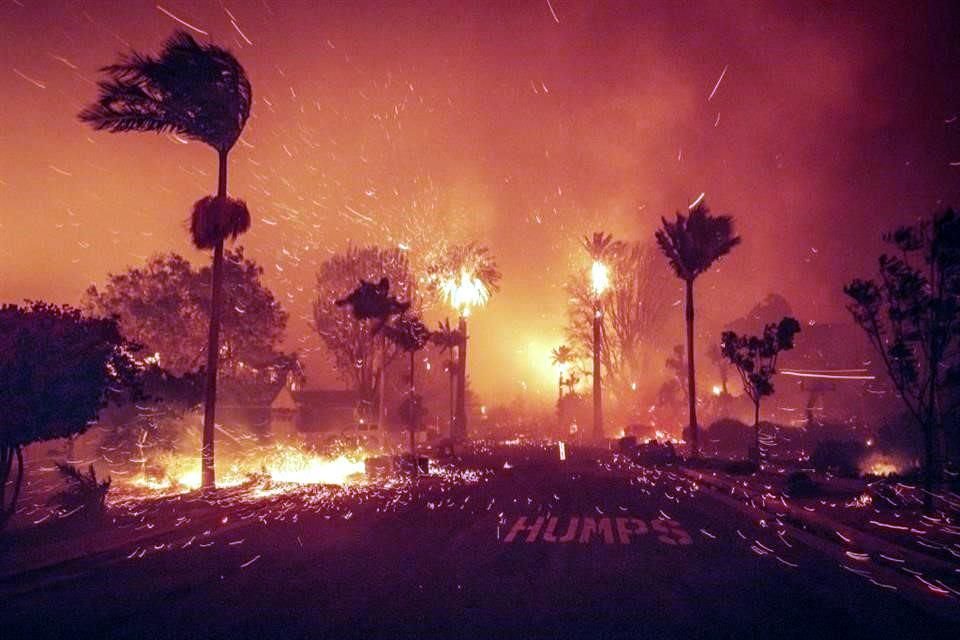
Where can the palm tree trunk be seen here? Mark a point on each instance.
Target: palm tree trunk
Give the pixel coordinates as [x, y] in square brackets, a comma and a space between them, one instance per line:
[412, 414]
[460, 419]
[691, 376]
[597, 384]
[208, 480]
[382, 397]
[560, 405]
[452, 384]
[756, 432]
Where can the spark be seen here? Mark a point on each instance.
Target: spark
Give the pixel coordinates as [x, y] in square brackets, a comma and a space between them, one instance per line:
[719, 80]
[553, 13]
[242, 34]
[826, 376]
[32, 81]
[697, 201]
[63, 60]
[182, 21]
[250, 561]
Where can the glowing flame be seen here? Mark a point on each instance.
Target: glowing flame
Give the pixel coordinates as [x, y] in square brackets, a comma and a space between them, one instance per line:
[716, 390]
[300, 468]
[464, 293]
[283, 464]
[599, 278]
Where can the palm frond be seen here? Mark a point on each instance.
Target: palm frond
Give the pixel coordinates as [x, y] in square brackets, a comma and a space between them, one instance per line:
[692, 244]
[600, 245]
[198, 91]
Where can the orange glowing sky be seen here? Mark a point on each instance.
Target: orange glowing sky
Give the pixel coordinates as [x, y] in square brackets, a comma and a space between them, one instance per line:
[524, 125]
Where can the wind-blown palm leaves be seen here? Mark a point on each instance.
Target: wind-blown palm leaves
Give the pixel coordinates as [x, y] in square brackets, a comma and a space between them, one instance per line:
[371, 301]
[408, 333]
[692, 244]
[445, 337]
[201, 92]
[197, 91]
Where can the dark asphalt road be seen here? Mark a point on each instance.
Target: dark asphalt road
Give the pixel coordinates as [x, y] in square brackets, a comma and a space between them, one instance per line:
[445, 570]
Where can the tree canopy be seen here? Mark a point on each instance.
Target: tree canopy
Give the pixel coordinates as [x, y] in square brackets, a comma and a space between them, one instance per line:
[693, 243]
[636, 309]
[165, 306]
[59, 369]
[354, 346]
[912, 318]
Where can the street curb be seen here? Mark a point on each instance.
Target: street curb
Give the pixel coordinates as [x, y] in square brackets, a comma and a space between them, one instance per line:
[830, 529]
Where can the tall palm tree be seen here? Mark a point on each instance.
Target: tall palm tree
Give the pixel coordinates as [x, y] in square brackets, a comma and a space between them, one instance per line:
[448, 338]
[201, 92]
[599, 246]
[410, 335]
[692, 244]
[561, 357]
[465, 275]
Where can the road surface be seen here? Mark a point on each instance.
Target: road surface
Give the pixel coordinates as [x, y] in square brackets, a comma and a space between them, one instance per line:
[542, 549]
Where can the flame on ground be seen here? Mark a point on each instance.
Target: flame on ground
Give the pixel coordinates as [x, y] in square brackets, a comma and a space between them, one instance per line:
[280, 464]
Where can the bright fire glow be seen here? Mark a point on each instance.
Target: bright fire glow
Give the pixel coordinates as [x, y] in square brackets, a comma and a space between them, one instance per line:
[283, 464]
[716, 389]
[599, 278]
[880, 465]
[464, 293]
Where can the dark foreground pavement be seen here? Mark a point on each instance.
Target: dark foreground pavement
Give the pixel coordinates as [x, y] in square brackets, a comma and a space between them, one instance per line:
[632, 554]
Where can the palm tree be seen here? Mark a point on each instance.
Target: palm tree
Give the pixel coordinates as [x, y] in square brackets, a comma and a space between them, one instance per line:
[410, 335]
[448, 338]
[465, 275]
[200, 92]
[599, 246]
[561, 357]
[692, 244]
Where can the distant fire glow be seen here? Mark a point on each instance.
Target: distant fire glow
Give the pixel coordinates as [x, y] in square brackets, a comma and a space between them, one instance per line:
[881, 465]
